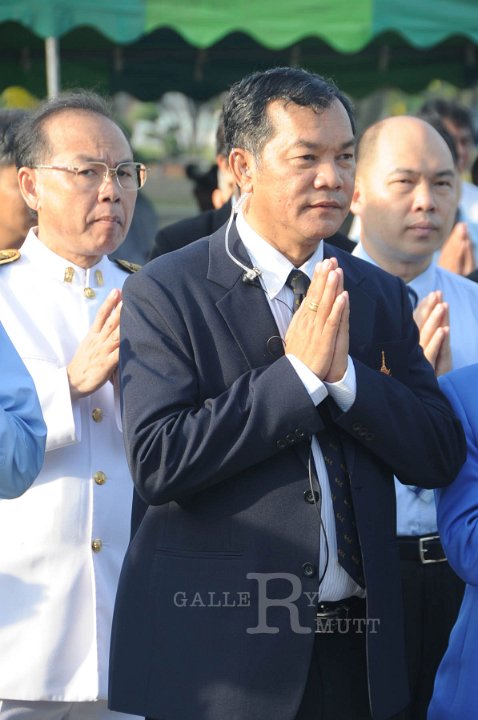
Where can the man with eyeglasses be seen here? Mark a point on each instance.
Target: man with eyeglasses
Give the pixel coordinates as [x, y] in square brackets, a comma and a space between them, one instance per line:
[60, 300]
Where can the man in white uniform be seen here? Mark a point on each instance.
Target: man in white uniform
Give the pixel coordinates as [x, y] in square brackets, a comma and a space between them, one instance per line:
[63, 542]
[405, 196]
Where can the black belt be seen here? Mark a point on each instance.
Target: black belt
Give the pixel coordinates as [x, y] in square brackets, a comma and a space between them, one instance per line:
[330, 613]
[426, 549]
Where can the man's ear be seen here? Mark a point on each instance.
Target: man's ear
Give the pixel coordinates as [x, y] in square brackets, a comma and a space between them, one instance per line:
[27, 182]
[357, 198]
[242, 165]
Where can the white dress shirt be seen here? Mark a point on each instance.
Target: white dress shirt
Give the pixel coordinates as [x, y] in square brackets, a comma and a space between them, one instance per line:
[416, 513]
[275, 268]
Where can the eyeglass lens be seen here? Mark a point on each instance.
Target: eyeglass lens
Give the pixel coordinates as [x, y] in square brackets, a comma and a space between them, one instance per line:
[130, 175]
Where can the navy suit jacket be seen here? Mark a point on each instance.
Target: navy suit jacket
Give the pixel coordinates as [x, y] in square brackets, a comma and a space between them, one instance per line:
[217, 428]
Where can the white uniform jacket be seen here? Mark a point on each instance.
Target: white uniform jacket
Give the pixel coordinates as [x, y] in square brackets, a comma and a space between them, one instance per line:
[62, 543]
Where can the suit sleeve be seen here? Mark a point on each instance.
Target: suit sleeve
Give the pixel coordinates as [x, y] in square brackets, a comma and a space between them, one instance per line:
[22, 430]
[457, 505]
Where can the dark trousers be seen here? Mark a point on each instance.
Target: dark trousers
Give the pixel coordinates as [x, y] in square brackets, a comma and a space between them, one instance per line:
[432, 597]
[337, 687]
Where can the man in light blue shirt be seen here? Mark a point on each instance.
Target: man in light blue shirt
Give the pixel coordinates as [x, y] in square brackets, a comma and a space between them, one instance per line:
[22, 430]
[406, 195]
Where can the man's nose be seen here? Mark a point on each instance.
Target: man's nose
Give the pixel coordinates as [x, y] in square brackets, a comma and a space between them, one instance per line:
[328, 175]
[424, 198]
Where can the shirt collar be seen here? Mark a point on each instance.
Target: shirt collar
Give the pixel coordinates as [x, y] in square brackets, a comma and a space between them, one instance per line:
[422, 284]
[359, 252]
[426, 282]
[274, 266]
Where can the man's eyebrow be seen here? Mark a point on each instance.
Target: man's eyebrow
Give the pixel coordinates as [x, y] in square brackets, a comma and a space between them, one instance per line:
[313, 146]
[445, 173]
[407, 171]
[89, 158]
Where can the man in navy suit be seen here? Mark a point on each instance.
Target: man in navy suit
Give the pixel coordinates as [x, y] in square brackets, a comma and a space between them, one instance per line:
[247, 592]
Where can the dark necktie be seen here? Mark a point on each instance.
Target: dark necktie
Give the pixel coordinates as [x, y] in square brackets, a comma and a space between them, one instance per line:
[413, 297]
[348, 546]
[299, 282]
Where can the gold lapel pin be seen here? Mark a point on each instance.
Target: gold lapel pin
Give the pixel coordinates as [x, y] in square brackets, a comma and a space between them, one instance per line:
[384, 369]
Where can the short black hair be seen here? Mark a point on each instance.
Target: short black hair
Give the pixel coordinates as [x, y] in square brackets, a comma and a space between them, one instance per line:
[220, 139]
[450, 110]
[10, 120]
[246, 121]
[31, 142]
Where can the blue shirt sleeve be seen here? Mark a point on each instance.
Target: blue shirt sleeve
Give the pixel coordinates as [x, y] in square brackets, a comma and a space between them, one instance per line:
[22, 428]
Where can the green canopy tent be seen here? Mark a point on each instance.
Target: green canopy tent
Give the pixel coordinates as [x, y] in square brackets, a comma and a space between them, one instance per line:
[199, 47]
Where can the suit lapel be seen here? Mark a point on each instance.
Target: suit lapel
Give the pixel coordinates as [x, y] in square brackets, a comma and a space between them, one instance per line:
[362, 305]
[244, 306]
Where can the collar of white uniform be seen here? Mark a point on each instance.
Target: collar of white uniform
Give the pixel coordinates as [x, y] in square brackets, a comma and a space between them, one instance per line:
[60, 269]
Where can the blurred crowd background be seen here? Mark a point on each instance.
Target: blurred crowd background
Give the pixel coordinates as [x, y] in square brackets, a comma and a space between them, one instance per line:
[166, 64]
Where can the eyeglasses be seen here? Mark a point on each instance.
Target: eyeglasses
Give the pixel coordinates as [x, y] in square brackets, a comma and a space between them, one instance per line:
[130, 175]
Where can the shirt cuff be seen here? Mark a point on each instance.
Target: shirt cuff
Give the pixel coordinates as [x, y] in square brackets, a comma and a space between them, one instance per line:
[345, 390]
[315, 387]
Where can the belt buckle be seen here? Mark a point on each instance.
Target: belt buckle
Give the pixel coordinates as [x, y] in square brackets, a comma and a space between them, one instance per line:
[422, 550]
[332, 616]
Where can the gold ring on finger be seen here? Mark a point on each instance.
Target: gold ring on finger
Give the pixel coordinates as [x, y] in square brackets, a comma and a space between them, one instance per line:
[313, 306]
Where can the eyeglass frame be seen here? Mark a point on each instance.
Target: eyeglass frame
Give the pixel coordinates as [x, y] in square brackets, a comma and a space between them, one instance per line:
[109, 171]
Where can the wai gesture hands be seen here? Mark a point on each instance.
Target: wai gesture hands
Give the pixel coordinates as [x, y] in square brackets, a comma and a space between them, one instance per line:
[318, 334]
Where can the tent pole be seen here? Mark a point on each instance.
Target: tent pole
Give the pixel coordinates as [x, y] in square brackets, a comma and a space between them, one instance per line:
[52, 56]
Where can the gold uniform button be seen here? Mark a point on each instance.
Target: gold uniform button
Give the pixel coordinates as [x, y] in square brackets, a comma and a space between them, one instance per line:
[89, 292]
[99, 477]
[97, 414]
[96, 545]
[69, 274]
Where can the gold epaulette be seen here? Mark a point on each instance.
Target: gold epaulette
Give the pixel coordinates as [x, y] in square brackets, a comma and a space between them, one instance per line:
[127, 265]
[8, 256]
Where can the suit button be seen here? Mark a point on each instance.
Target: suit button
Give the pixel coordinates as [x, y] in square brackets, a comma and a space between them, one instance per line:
[281, 444]
[99, 477]
[97, 414]
[300, 434]
[290, 438]
[311, 497]
[370, 436]
[89, 293]
[96, 545]
[356, 427]
[363, 432]
[309, 570]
